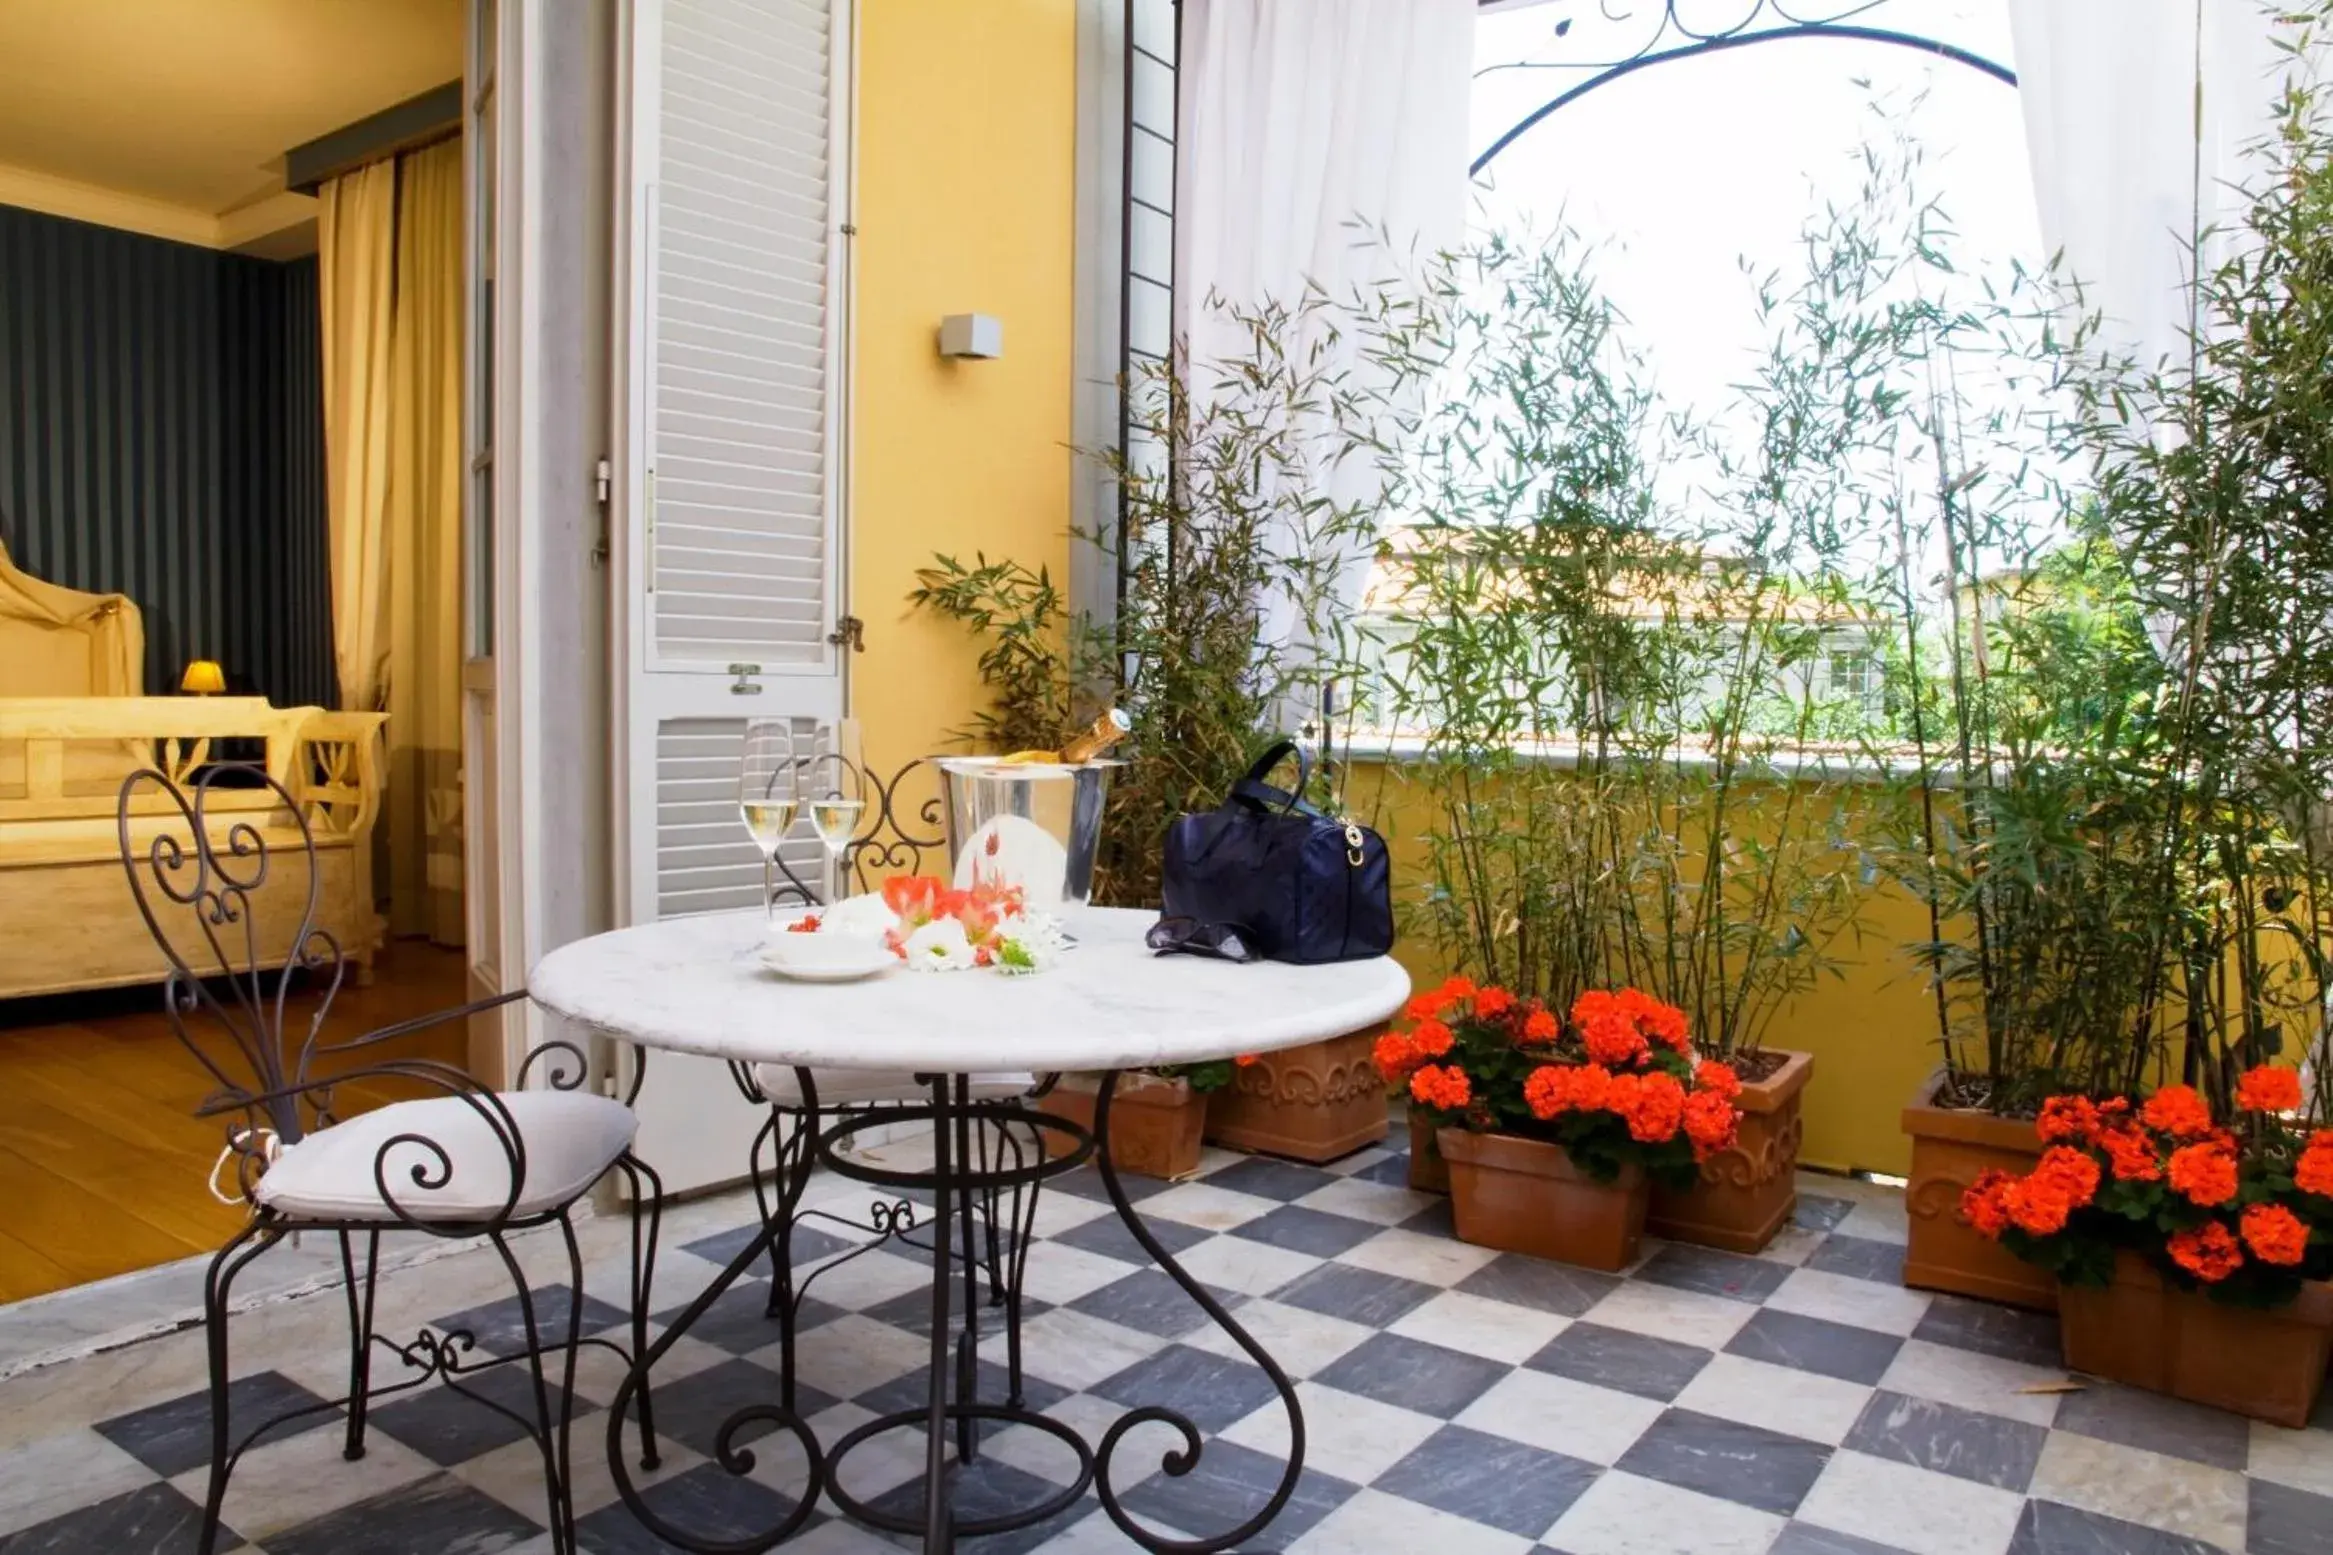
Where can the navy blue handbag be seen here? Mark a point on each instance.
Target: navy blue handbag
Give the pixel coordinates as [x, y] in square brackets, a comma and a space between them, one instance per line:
[1269, 876]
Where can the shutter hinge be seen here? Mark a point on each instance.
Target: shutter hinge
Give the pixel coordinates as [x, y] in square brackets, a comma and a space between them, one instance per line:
[603, 487]
[849, 632]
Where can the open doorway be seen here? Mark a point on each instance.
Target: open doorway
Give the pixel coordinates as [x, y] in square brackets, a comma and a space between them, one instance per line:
[235, 273]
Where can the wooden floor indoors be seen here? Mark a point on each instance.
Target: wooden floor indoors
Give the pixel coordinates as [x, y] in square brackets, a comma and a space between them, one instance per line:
[103, 1166]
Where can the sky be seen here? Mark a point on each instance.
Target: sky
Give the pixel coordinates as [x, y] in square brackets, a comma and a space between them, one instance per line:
[1679, 172]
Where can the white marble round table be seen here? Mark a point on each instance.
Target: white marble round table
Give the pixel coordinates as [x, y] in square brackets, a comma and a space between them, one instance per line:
[694, 985]
[691, 985]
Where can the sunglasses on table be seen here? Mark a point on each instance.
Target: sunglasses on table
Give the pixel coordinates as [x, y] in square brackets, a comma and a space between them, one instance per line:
[1190, 937]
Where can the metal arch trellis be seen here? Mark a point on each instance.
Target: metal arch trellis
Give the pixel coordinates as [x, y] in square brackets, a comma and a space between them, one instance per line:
[1675, 38]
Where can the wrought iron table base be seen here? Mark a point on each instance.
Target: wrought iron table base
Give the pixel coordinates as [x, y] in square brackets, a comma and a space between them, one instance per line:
[955, 1180]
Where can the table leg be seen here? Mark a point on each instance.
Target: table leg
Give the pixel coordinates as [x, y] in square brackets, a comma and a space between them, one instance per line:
[1183, 1460]
[938, 1536]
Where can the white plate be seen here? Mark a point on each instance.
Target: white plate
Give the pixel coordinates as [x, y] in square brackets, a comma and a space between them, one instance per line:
[877, 960]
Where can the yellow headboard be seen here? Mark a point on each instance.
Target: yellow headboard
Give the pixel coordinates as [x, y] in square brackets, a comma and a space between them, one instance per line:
[60, 642]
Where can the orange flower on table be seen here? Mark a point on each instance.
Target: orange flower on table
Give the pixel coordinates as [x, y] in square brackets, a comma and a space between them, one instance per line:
[2130, 1154]
[1658, 1110]
[2067, 1118]
[2275, 1234]
[1710, 1122]
[2314, 1170]
[1394, 1057]
[1985, 1205]
[2204, 1174]
[1441, 1085]
[2209, 1252]
[2178, 1111]
[1551, 1090]
[1491, 1003]
[1540, 1026]
[2268, 1088]
[1719, 1078]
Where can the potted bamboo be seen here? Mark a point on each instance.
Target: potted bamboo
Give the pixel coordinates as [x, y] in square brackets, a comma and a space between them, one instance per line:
[2191, 1253]
[1553, 1136]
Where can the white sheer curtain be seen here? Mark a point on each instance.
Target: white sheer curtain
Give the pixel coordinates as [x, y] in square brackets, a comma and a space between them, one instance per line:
[2137, 113]
[1300, 119]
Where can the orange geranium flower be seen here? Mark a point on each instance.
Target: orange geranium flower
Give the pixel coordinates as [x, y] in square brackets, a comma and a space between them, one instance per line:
[1551, 1090]
[1491, 1003]
[1455, 988]
[2071, 1172]
[1441, 1085]
[1394, 1057]
[2178, 1111]
[2131, 1154]
[2037, 1205]
[2066, 1118]
[1710, 1075]
[1710, 1122]
[2314, 1170]
[1662, 1023]
[1540, 1026]
[1658, 1110]
[1430, 1039]
[2267, 1088]
[1425, 1006]
[2205, 1173]
[1985, 1206]
[2275, 1234]
[2209, 1252]
[1607, 1029]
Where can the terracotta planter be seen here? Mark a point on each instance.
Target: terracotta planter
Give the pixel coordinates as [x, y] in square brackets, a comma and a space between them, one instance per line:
[1429, 1173]
[1950, 1146]
[1311, 1103]
[1155, 1123]
[1525, 1196]
[2149, 1333]
[1745, 1194]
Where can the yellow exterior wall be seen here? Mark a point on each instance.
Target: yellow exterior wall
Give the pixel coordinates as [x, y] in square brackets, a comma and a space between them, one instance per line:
[1872, 1031]
[966, 204]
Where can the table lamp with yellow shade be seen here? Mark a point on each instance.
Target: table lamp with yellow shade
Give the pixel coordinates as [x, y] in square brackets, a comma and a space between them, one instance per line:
[203, 678]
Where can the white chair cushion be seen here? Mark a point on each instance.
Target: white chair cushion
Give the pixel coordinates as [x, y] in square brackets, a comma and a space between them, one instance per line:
[570, 1138]
[861, 1087]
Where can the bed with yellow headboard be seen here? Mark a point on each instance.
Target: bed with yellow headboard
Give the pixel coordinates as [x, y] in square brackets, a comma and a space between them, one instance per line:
[74, 724]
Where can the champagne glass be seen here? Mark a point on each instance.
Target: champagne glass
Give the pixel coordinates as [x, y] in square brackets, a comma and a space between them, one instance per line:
[768, 794]
[835, 799]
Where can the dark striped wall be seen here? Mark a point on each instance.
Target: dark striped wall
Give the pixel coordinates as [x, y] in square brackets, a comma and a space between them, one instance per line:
[162, 435]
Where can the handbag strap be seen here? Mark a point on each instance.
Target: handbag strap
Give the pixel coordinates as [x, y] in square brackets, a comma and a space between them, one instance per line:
[1255, 791]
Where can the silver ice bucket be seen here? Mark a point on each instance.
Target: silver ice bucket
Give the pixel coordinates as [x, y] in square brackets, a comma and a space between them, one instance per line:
[1034, 825]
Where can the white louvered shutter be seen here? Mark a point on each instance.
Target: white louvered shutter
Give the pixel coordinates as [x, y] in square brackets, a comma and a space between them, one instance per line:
[737, 292]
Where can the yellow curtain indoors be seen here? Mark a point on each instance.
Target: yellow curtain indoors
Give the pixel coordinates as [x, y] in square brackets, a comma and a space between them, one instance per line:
[356, 247]
[424, 538]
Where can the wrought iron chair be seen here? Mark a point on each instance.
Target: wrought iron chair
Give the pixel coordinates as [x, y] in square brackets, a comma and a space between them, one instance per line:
[999, 1221]
[464, 1162]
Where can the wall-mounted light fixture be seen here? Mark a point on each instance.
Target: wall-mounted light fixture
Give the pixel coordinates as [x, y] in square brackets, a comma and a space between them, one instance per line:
[971, 334]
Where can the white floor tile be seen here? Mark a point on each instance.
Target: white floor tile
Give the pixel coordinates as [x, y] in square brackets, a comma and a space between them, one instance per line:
[280, 1485]
[1973, 1381]
[1251, 1268]
[1385, 1203]
[1354, 1438]
[1302, 1342]
[1780, 1398]
[1479, 1327]
[1911, 1509]
[62, 1473]
[1681, 1316]
[2301, 1459]
[1075, 1351]
[1891, 1309]
[1577, 1419]
[1373, 1523]
[1433, 1259]
[1209, 1207]
[1624, 1515]
[2190, 1499]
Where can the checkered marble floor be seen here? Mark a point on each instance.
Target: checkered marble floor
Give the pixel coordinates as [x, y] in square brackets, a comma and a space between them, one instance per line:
[1457, 1401]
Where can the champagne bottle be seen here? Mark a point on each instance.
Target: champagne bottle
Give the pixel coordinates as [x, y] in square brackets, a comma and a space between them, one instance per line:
[1098, 737]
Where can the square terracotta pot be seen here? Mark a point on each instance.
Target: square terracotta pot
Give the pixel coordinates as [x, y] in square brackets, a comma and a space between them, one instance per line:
[1155, 1123]
[1745, 1194]
[2147, 1332]
[1950, 1146]
[1309, 1103]
[1526, 1196]
[1429, 1173]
